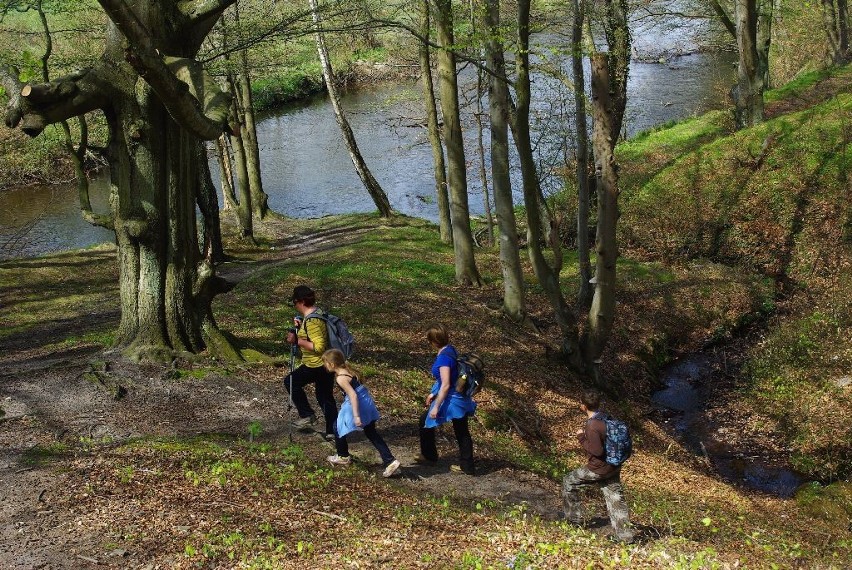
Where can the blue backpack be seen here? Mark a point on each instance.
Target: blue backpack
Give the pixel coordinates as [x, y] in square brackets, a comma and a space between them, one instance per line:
[618, 445]
[339, 336]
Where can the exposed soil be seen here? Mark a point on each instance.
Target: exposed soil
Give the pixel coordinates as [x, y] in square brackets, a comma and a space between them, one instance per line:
[82, 397]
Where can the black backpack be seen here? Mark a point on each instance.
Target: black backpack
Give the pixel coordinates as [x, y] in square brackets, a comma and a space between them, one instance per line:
[471, 376]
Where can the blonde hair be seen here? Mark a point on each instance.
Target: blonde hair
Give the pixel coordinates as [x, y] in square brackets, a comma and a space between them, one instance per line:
[336, 359]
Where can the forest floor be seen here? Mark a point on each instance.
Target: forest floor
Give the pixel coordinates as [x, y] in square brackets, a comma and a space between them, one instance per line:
[107, 463]
[53, 400]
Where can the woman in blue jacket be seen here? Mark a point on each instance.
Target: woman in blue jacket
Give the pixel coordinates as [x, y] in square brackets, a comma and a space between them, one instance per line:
[445, 404]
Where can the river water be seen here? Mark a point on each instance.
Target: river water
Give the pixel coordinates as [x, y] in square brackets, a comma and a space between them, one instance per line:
[307, 171]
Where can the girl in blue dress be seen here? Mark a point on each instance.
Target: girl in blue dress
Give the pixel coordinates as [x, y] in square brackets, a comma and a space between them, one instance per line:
[445, 404]
[357, 412]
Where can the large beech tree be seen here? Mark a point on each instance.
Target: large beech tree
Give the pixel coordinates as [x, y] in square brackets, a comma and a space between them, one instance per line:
[159, 104]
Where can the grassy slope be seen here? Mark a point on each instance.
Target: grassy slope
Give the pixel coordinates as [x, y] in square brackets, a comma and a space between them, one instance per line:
[395, 279]
[773, 199]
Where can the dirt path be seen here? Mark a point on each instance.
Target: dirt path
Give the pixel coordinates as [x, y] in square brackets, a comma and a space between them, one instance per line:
[65, 401]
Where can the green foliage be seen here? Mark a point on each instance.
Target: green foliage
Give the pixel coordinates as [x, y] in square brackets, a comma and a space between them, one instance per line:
[832, 502]
[286, 86]
[372, 55]
[255, 428]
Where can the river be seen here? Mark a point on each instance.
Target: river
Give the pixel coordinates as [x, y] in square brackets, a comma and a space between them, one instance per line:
[307, 171]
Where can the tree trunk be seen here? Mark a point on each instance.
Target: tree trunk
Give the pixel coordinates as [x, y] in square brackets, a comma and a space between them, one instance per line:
[480, 142]
[155, 109]
[483, 172]
[433, 131]
[548, 277]
[843, 28]
[226, 175]
[584, 293]
[498, 105]
[259, 199]
[208, 203]
[466, 271]
[835, 14]
[748, 92]
[376, 192]
[618, 60]
[602, 312]
[764, 41]
[244, 209]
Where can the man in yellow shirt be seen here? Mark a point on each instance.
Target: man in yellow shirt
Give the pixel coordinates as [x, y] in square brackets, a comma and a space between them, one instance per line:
[311, 339]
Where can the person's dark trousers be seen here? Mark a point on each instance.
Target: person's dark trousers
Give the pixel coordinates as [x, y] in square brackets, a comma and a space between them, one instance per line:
[429, 449]
[323, 381]
[341, 446]
[379, 443]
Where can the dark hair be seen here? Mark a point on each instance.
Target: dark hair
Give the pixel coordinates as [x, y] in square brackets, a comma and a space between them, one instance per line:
[591, 399]
[438, 335]
[304, 294]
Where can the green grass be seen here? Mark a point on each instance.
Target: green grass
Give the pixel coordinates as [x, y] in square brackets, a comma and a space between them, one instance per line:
[40, 455]
[705, 204]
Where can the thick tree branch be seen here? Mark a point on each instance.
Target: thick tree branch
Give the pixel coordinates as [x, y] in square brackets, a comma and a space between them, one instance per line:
[724, 18]
[175, 95]
[197, 10]
[42, 104]
[9, 80]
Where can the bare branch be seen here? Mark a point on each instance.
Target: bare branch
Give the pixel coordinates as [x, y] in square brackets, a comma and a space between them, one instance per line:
[42, 104]
[175, 95]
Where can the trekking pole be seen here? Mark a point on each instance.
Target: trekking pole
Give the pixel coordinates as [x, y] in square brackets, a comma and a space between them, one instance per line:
[290, 394]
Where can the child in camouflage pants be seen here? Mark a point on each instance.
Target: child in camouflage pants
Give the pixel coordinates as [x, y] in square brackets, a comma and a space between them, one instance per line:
[596, 472]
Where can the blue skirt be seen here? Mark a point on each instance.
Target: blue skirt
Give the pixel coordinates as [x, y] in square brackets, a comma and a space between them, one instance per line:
[366, 409]
[453, 408]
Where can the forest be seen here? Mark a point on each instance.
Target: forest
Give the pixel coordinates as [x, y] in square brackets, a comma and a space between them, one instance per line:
[646, 198]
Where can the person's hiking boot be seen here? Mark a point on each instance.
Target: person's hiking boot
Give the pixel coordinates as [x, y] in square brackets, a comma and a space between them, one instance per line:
[423, 460]
[392, 468]
[304, 423]
[460, 469]
[337, 460]
[626, 537]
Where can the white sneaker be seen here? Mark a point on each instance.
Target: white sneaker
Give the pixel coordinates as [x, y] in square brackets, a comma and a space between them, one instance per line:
[337, 460]
[391, 468]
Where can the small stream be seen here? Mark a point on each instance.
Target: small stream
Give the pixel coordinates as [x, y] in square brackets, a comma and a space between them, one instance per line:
[682, 404]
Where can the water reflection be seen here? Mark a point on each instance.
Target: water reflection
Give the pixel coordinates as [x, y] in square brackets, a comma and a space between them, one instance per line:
[35, 220]
[682, 403]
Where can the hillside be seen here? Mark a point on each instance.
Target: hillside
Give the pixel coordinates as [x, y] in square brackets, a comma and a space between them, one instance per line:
[110, 464]
[772, 200]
